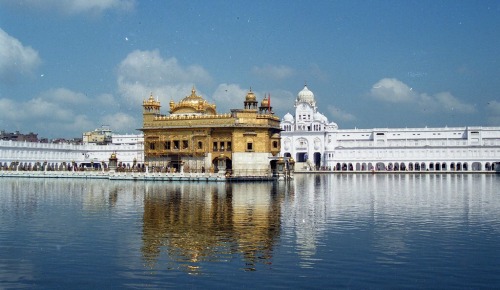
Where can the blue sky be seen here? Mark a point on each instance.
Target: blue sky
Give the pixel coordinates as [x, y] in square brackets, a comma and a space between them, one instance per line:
[69, 66]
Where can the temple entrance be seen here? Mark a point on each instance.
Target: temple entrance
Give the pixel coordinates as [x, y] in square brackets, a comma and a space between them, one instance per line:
[301, 157]
[175, 163]
[317, 160]
[215, 164]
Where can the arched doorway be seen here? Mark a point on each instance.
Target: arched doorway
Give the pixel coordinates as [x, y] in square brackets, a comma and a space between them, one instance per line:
[301, 157]
[317, 159]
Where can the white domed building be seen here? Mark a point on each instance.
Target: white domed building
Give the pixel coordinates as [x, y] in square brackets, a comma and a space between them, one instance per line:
[317, 144]
[306, 136]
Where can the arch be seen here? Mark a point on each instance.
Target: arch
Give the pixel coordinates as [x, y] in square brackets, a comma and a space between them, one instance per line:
[351, 168]
[459, 166]
[417, 166]
[301, 157]
[358, 167]
[476, 166]
[410, 166]
[431, 166]
[465, 166]
[317, 159]
[452, 166]
[422, 166]
[487, 166]
[287, 155]
[380, 166]
[370, 166]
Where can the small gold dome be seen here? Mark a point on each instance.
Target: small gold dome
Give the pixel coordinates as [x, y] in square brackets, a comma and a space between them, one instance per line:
[250, 97]
[265, 102]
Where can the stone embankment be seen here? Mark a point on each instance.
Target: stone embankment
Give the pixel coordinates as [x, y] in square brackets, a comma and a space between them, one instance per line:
[136, 176]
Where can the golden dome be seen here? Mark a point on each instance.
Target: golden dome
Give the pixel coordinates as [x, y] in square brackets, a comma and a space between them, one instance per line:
[193, 104]
[250, 96]
[265, 102]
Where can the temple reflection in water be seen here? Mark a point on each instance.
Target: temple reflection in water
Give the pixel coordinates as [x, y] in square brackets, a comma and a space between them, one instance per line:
[315, 223]
[198, 223]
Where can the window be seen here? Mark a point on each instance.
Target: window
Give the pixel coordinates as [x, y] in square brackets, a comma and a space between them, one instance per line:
[152, 146]
[249, 146]
[200, 145]
[275, 144]
[167, 145]
[215, 146]
[176, 145]
[221, 146]
[229, 146]
[185, 144]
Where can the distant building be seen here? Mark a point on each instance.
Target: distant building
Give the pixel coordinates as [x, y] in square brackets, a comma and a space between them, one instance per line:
[17, 136]
[100, 136]
[194, 136]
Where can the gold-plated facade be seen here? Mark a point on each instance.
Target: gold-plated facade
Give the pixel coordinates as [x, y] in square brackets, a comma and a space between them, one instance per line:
[195, 136]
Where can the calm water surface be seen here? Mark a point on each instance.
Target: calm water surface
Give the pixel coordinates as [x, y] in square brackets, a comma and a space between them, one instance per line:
[320, 231]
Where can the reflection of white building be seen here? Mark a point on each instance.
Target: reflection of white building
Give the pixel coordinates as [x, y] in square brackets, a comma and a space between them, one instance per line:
[315, 143]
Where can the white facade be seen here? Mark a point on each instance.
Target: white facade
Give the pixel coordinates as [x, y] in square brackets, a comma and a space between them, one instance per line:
[130, 139]
[30, 153]
[317, 144]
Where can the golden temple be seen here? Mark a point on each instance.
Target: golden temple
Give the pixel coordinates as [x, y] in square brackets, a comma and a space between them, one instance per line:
[195, 138]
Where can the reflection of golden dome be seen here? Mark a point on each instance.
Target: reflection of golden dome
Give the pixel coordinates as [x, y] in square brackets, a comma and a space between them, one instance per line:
[193, 104]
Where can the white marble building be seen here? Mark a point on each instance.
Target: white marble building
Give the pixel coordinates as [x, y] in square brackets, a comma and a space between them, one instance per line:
[315, 144]
[128, 149]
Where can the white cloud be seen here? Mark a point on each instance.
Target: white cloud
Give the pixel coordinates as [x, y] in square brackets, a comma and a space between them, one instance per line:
[107, 100]
[64, 113]
[42, 109]
[75, 6]
[15, 58]
[229, 96]
[9, 110]
[121, 122]
[281, 100]
[63, 95]
[279, 72]
[145, 72]
[448, 101]
[394, 91]
[338, 114]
